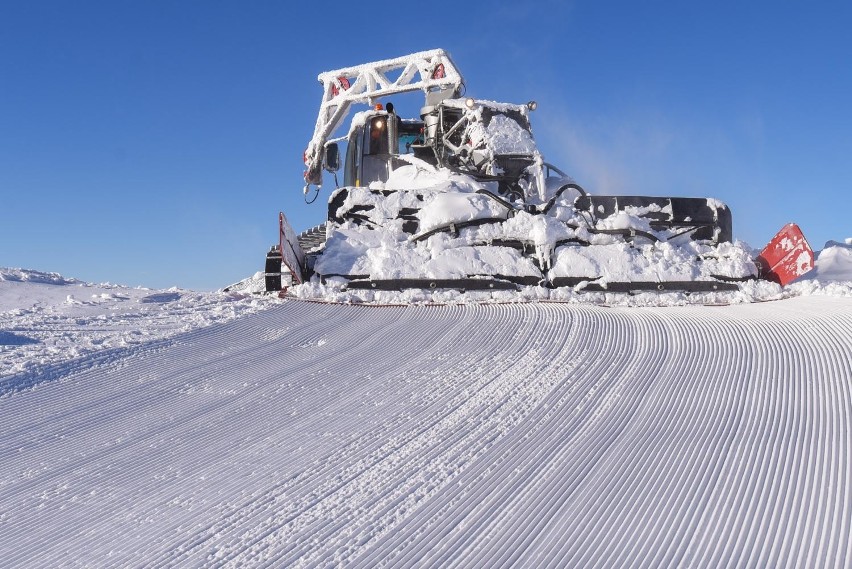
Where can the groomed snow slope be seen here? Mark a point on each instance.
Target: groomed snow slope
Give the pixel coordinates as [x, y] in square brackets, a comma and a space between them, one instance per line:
[478, 436]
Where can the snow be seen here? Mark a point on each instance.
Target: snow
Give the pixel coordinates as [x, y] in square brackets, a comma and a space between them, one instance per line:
[226, 430]
[834, 262]
[502, 136]
[46, 318]
[455, 207]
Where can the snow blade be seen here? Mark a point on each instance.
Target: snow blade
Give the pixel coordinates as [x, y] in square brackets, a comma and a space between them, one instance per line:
[292, 254]
[786, 257]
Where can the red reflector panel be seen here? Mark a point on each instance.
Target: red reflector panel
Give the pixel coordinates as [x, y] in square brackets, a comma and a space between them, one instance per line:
[344, 82]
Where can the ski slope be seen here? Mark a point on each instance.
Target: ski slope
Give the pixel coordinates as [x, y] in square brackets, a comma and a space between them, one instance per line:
[303, 434]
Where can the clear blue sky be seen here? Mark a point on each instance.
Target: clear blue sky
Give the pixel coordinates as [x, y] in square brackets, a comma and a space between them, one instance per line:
[153, 142]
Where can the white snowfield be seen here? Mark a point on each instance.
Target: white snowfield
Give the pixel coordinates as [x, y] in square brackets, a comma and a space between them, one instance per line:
[290, 433]
[47, 318]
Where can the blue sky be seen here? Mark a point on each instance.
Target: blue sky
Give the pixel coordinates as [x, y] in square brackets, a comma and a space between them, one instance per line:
[153, 143]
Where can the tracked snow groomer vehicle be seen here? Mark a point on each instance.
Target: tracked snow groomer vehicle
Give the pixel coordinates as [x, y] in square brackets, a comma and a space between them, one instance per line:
[461, 198]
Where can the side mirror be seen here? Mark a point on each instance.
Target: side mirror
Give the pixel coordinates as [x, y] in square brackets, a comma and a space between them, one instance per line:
[332, 157]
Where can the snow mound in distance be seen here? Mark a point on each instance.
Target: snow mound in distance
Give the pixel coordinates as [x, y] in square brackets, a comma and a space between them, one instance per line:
[834, 262]
[25, 275]
[832, 272]
[47, 318]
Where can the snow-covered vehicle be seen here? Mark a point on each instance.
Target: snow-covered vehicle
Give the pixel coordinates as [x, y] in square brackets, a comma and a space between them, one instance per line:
[461, 198]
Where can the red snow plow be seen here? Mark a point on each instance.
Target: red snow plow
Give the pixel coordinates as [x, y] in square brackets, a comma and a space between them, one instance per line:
[787, 256]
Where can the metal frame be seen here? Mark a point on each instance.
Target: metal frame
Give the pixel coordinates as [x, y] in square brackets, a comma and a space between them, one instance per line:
[368, 82]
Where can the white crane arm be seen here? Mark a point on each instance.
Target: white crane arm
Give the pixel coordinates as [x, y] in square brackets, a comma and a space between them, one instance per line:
[425, 70]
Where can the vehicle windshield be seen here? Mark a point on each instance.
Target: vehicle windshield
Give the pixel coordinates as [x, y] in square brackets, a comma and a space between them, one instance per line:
[410, 133]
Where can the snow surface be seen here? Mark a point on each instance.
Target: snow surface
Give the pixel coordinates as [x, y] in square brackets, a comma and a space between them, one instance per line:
[46, 318]
[172, 428]
[217, 430]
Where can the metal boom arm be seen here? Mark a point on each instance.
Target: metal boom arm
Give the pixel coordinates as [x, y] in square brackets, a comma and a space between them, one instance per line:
[426, 70]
